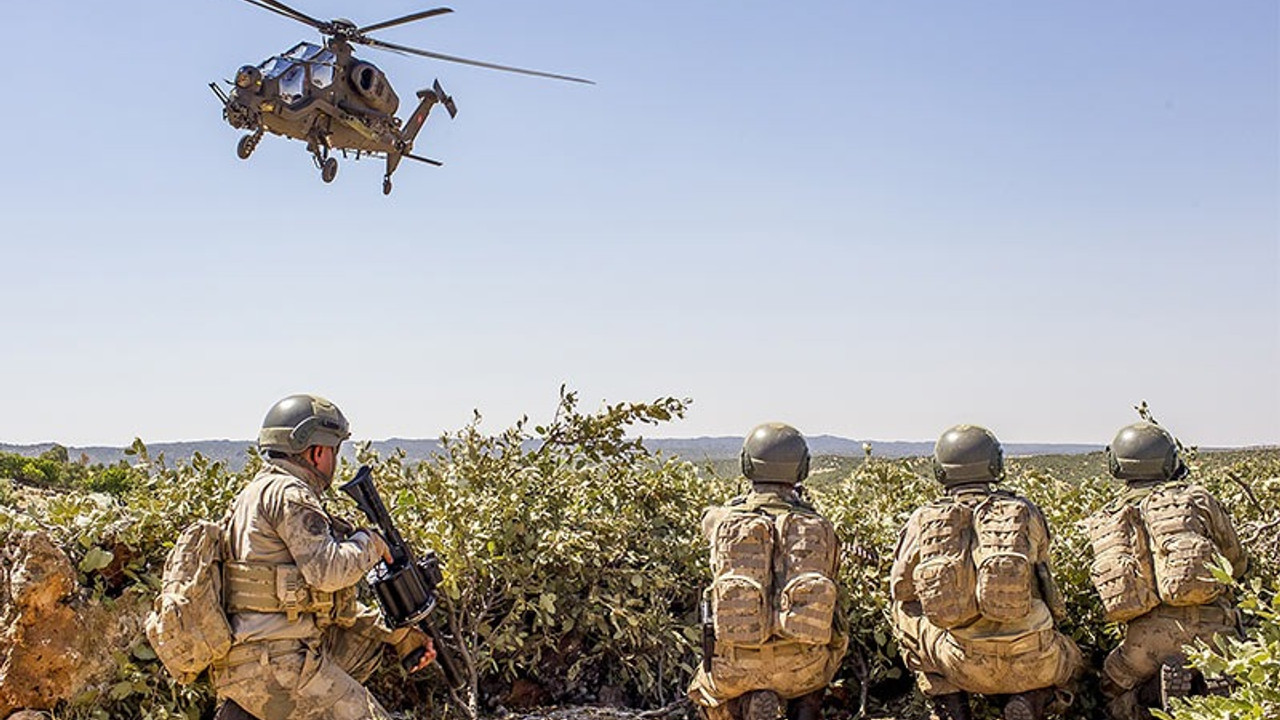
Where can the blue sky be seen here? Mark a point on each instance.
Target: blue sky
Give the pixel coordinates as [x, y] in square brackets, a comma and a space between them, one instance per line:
[868, 219]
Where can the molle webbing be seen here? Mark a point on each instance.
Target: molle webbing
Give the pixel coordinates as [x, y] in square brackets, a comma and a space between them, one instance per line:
[772, 566]
[271, 588]
[805, 561]
[1002, 556]
[1181, 547]
[1122, 568]
[945, 577]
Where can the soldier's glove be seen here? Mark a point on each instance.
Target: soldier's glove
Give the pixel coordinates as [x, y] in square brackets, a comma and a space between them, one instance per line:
[412, 641]
[376, 542]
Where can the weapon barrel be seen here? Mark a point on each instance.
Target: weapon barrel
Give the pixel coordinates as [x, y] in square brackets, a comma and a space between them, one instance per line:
[444, 657]
[365, 493]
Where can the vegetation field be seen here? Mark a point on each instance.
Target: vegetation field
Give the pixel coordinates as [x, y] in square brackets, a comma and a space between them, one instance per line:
[574, 564]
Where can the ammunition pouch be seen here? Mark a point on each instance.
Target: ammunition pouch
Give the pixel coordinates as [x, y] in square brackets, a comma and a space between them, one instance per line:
[272, 588]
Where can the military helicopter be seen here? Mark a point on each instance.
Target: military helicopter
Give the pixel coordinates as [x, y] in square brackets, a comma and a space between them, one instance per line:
[323, 95]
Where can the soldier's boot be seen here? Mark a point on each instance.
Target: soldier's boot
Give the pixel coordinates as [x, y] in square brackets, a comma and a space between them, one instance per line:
[1030, 705]
[806, 707]
[951, 706]
[1175, 680]
[1220, 685]
[229, 710]
[761, 705]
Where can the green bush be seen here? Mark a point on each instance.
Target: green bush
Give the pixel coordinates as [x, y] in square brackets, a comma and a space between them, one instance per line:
[1252, 664]
[573, 558]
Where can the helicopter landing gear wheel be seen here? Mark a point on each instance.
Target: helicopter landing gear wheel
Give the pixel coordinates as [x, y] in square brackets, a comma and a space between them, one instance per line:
[329, 170]
[386, 186]
[246, 146]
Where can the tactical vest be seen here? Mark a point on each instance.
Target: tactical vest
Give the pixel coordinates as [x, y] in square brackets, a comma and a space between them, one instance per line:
[1122, 568]
[187, 627]
[1181, 548]
[975, 562]
[280, 588]
[774, 567]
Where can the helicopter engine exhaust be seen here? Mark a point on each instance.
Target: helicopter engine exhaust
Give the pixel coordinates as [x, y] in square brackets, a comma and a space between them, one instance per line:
[373, 87]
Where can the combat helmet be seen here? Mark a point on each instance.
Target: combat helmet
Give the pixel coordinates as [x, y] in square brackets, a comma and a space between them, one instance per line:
[967, 454]
[1144, 451]
[775, 452]
[300, 421]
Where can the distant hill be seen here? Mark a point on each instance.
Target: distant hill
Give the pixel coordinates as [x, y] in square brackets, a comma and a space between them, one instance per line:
[696, 449]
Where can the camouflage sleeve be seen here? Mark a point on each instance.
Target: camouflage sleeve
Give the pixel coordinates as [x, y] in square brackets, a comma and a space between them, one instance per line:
[1039, 535]
[326, 564]
[905, 558]
[1223, 532]
[1042, 561]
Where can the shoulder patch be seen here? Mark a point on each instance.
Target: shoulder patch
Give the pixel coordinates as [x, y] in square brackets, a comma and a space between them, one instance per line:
[315, 523]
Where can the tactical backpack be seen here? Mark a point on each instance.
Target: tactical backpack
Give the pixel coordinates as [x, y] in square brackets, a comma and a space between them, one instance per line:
[773, 577]
[187, 626]
[1181, 548]
[1122, 568]
[975, 562]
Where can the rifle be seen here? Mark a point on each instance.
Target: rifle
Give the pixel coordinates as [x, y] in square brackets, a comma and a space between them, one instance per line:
[406, 588]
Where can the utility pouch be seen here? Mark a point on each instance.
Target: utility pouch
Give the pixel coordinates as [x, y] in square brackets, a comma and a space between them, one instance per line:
[945, 578]
[1004, 573]
[1122, 569]
[1181, 548]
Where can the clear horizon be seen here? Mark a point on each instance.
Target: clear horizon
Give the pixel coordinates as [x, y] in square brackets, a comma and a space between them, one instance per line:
[865, 219]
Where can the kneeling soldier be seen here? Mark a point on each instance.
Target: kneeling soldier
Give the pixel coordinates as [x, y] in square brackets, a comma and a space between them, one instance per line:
[302, 645]
[974, 602]
[771, 635]
[1151, 549]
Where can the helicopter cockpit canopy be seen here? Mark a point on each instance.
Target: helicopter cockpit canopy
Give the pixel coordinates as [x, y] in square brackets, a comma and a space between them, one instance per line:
[303, 63]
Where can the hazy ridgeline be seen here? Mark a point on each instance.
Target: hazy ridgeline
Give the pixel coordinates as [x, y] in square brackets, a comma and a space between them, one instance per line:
[574, 563]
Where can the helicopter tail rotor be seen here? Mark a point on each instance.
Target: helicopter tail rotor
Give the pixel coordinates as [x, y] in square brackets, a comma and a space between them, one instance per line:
[427, 100]
[446, 100]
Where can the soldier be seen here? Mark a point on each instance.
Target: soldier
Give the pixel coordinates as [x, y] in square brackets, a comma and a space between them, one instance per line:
[1151, 547]
[974, 601]
[772, 635]
[302, 645]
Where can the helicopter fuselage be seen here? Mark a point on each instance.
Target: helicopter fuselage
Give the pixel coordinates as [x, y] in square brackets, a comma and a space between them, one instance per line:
[330, 100]
[309, 93]
[325, 97]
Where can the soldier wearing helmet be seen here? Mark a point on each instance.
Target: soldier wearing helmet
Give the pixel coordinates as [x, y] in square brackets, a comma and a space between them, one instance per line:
[975, 605]
[772, 635]
[302, 645]
[1152, 546]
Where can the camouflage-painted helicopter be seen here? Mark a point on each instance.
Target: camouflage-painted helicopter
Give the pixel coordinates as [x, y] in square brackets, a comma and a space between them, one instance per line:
[328, 98]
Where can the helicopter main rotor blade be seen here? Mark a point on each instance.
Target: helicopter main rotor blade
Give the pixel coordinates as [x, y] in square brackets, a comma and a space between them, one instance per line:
[464, 61]
[406, 19]
[280, 8]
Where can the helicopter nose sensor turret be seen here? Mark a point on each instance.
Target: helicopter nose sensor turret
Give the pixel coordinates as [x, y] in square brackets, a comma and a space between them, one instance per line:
[247, 77]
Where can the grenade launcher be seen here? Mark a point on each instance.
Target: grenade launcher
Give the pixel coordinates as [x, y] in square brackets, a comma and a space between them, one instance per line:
[406, 588]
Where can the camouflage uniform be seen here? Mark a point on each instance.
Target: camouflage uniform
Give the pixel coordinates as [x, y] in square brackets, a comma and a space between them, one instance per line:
[790, 669]
[984, 656]
[1159, 635]
[309, 666]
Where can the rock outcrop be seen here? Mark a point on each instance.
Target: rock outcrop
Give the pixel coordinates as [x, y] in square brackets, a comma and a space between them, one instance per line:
[55, 643]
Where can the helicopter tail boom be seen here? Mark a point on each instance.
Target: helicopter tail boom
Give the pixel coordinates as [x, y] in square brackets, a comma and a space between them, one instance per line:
[426, 100]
